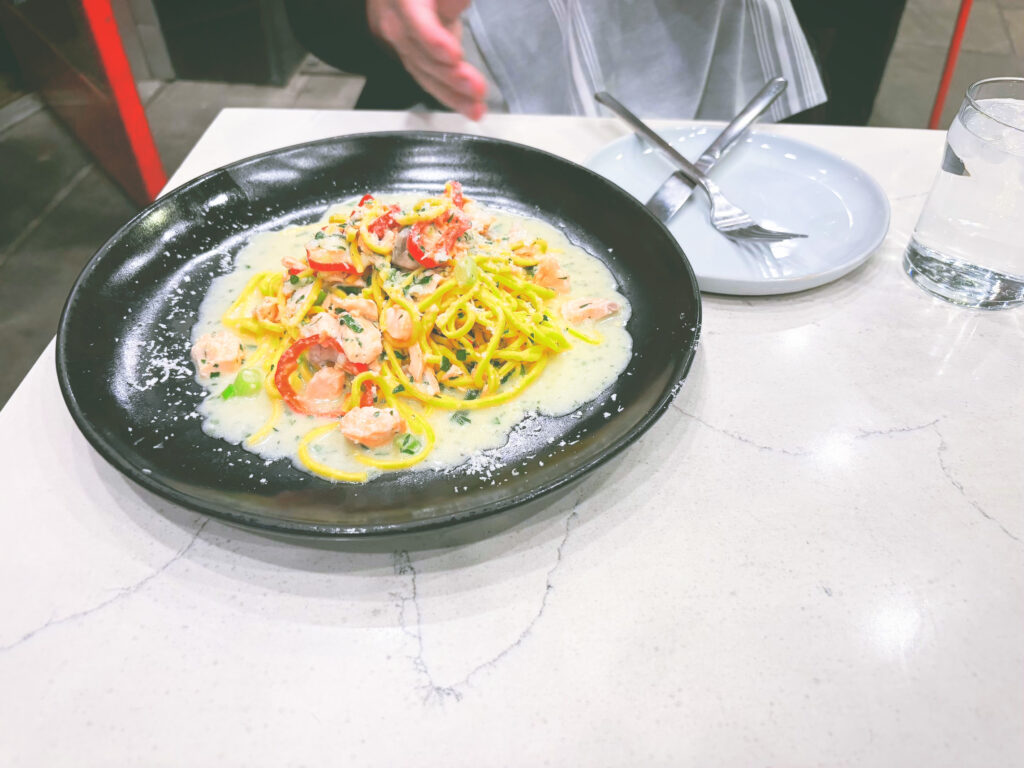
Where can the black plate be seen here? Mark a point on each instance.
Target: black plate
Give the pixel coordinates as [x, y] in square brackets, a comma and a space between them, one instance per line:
[122, 345]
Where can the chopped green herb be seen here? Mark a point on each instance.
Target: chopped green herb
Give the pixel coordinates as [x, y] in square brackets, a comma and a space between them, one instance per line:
[460, 355]
[318, 236]
[461, 417]
[422, 279]
[408, 443]
[507, 376]
[215, 374]
[294, 279]
[445, 363]
[400, 354]
[399, 388]
[472, 394]
[522, 369]
[350, 321]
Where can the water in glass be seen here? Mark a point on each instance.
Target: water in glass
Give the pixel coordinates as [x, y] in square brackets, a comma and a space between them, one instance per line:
[968, 246]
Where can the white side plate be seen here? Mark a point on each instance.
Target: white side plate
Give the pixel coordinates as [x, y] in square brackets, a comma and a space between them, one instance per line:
[781, 183]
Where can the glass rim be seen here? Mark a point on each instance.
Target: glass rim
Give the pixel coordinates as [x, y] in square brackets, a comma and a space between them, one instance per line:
[969, 95]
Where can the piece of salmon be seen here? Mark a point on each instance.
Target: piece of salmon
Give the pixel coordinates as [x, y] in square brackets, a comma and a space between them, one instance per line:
[550, 274]
[217, 352]
[578, 310]
[398, 324]
[371, 426]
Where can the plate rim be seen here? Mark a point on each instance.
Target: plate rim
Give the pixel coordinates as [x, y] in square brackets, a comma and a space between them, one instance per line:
[779, 286]
[310, 531]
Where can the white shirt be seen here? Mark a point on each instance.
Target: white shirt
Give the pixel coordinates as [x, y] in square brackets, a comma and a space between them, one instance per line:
[662, 58]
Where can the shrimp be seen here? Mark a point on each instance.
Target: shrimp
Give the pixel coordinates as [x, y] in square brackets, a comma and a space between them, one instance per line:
[578, 310]
[551, 275]
[398, 323]
[217, 352]
[359, 339]
[371, 426]
[359, 307]
[294, 263]
[268, 309]
[330, 246]
[323, 322]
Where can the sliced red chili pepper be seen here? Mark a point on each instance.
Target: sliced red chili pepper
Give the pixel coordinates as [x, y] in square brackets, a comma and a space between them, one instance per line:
[367, 198]
[416, 248]
[355, 368]
[382, 224]
[286, 366]
[369, 396]
[331, 266]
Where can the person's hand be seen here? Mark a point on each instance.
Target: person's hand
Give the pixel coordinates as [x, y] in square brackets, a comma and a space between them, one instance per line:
[427, 36]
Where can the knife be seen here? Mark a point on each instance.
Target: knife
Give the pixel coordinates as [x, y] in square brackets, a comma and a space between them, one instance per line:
[675, 191]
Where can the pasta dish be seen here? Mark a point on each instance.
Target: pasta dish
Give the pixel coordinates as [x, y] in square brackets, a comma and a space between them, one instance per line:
[364, 342]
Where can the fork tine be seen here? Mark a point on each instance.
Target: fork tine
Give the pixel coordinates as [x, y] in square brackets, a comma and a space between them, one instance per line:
[775, 234]
[732, 221]
[757, 232]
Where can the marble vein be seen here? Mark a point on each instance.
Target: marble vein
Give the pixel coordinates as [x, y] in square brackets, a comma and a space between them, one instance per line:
[120, 594]
[895, 430]
[743, 438]
[411, 621]
[943, 447]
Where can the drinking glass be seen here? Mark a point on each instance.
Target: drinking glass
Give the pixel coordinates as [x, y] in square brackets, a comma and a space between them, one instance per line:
[968, 246]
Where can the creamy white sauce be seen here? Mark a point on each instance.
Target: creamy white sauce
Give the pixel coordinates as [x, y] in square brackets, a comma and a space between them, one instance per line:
[571, 379]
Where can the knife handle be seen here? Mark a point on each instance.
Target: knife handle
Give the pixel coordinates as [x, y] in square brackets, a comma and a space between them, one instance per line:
[739, 125]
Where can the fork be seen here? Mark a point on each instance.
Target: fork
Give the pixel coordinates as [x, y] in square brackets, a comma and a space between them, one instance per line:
[676, 190]
[728, 218]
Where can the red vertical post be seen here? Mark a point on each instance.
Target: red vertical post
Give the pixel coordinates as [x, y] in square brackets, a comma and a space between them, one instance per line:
[103, 27]
[951, 56]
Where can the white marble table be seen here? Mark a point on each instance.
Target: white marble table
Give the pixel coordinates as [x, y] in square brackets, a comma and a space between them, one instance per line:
[814, 558]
